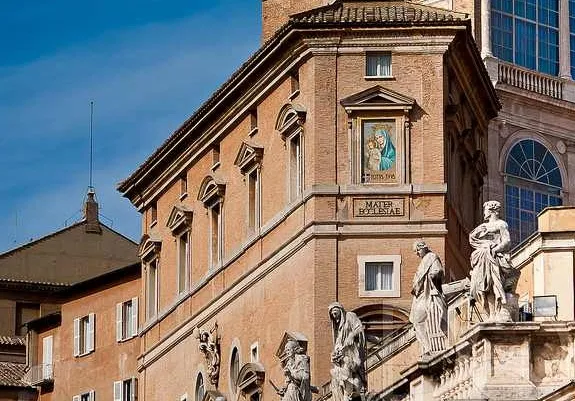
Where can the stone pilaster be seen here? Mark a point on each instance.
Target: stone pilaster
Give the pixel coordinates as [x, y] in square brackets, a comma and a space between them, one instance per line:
[564, 56]
[486, 28]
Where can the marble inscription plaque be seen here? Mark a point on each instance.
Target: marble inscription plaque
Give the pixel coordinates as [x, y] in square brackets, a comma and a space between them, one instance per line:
[378, 207]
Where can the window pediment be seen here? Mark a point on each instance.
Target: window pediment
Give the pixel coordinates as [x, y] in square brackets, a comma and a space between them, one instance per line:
[180, 218]
[290, 117]
[377, 98]
[212, 189]
[149, 248]
[249, 155]
[251, 378]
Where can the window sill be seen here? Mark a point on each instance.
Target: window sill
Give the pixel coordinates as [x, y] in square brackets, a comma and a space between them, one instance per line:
[379, 294]
[253, 131]
[215, 166]
[153, 223]
[123, 340]
[84, 354]
[379, 78]
[183, 196]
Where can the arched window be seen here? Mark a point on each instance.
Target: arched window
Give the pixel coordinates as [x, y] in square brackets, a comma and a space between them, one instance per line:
[200, 390]
[532, 182]
[234, 368]
[380, 321]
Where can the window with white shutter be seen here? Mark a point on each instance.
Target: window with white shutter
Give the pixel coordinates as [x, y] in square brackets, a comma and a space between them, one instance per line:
[47, 343]
[126, 390]
[127, 319]
[84, 334]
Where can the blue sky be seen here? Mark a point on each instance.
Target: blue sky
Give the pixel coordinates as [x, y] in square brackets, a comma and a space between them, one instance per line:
[147, 64]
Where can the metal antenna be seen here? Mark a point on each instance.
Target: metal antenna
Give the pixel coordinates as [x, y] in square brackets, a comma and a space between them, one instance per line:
[90, 187]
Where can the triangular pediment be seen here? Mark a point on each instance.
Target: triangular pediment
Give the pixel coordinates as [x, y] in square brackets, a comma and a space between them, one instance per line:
[377, 98]
[249, 155]
[180, 218]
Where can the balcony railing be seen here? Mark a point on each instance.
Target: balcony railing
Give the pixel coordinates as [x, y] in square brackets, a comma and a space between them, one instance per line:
[530, 80]
[390, 346]
[40, 374]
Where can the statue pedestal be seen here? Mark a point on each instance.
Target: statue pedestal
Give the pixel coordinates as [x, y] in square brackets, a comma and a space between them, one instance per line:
[510, 311]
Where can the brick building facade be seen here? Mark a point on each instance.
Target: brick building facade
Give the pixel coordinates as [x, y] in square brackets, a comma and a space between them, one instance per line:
[358, 127]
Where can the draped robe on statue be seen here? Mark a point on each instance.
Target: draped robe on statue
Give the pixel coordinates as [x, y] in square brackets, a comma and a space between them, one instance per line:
[348, 357]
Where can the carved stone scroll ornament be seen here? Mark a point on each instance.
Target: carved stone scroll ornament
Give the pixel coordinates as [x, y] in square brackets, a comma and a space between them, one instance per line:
[210, 347]
[493, 278]
[429, 309]
[348, 380]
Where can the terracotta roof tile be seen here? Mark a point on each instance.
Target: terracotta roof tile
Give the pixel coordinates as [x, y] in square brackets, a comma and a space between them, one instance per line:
[12, 340]
[12, 374]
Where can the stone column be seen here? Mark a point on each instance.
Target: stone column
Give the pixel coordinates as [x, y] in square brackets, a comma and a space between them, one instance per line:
[564, 56]
[486, 28]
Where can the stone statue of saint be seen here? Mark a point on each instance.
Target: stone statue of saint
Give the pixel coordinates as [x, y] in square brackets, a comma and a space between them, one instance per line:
[296, 371]
[210, 347]
[492, 276]
[428, 309]
[348, 379]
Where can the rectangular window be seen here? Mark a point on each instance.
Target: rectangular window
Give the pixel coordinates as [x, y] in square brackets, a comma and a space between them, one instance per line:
[216, 234]
[184, 256]
[254, 353]
[572, 35]
[215, 155]
[253, 201]
[378, 65]
[84, 334]
[295, 167]
[253, 122]
[47, 346]
[126, 390]
[294, 84]
[127, 319]
[89, 396]
[526, 32]
[152, 290]
[379, 275]
[183, 185]
[153, 213]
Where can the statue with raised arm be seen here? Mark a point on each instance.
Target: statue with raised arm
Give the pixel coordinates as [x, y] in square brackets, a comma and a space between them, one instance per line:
[348, 379]
[210, 347]
[492, 276]
[428, 309]
[297, 374]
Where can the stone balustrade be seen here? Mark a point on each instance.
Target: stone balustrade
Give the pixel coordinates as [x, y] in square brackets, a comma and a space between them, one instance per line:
[513, 75]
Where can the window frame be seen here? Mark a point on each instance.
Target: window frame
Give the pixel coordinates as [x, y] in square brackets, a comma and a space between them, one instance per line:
[378, 54]
[84, 335]
[200, 385]
[254, 210]
[152, 310]
[123, 322]
[362, 261]
[185, 267]
[119, 389]
[295, 165]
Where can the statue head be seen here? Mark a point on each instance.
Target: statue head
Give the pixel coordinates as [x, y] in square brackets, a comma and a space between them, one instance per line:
[292, 347]
[335, 311]
[421, 248]
[491, 208]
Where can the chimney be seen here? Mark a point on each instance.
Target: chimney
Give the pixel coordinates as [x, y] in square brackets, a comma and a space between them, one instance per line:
[91, 213]
[275, 13]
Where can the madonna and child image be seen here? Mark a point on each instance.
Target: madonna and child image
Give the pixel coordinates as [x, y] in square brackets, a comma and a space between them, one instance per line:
[379, 151]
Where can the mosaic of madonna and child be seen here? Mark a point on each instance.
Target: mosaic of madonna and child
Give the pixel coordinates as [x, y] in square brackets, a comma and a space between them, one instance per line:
[378, 139]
